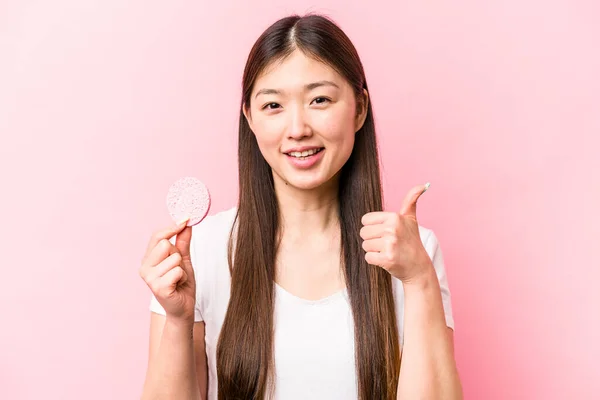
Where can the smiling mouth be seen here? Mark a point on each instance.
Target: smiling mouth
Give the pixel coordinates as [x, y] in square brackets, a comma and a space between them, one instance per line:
[303, 155]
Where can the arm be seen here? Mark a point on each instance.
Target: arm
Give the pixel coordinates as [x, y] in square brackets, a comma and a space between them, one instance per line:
[428, 370]
[177, 367]
[393, 241]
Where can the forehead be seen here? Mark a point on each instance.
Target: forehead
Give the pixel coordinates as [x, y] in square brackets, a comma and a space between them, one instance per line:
[296, 70]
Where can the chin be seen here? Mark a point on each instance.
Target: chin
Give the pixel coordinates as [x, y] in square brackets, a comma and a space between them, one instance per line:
[303, 185]
[308, 182]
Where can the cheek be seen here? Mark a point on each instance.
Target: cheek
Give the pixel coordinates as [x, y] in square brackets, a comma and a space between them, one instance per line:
[268, 133]
[338, 127]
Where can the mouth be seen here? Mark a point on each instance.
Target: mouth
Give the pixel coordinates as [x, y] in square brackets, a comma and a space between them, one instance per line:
[304, 155]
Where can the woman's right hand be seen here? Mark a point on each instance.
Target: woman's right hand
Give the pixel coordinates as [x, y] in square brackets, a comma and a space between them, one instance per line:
[168, 272]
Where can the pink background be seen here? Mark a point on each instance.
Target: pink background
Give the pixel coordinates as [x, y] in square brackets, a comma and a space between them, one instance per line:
[103, 104]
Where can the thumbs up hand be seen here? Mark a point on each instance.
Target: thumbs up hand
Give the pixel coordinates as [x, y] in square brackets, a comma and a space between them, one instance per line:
[392, 241]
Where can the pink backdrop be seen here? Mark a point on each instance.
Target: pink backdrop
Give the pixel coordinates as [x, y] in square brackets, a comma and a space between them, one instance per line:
[104, 103]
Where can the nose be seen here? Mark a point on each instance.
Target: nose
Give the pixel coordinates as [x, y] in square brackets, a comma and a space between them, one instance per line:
[298, 126]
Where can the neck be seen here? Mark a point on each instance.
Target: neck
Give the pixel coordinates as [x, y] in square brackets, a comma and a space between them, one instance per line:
[307, 213]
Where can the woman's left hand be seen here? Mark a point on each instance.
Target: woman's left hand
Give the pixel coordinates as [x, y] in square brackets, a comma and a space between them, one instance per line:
[392, 240]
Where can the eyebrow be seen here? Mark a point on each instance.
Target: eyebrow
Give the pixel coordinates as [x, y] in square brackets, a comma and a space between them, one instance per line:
[307, 87]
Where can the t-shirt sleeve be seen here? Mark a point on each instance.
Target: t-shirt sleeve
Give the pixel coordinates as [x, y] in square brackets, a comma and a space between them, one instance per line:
[435, 252]
[156, 307]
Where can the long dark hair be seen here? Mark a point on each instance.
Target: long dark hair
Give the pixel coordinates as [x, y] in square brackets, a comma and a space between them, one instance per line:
[245, 365]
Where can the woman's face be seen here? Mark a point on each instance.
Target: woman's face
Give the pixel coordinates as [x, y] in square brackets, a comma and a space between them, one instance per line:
[304, 116]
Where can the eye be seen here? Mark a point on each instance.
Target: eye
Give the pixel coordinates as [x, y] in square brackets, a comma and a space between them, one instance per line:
[270, 106]
[321, 100]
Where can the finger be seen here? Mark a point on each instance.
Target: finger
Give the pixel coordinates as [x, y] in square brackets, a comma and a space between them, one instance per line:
[409, 205]
[182, 242]
[183, 279]
[171, 279]
[166, 233]
[174, 260]
[376, 258]
[376, 217]
[374, 245]
[162, 250]
[376, 231]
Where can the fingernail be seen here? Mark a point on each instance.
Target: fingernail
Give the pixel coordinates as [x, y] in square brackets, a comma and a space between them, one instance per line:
[183, 221]
[426, 186]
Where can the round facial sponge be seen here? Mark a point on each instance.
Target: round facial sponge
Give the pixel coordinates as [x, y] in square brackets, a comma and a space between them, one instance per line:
[188, 198]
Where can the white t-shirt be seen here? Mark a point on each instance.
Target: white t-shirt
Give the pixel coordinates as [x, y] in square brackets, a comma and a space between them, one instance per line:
[314, 340]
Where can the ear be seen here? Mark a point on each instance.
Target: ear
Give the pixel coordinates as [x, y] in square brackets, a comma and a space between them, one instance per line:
[248, 116]
[362, 107]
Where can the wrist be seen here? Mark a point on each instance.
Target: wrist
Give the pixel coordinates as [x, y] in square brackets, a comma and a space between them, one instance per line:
[180, 323]
[423, 280]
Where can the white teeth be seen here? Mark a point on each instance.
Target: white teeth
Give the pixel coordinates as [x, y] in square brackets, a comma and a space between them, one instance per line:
[303, 153]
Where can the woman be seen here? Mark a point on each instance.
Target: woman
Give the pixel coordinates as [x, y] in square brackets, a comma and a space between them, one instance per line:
[306, 289]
